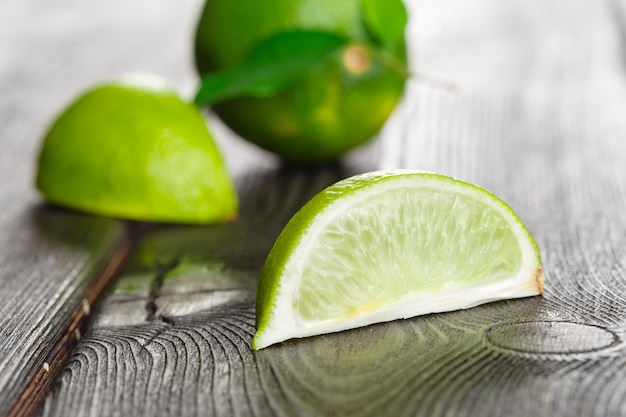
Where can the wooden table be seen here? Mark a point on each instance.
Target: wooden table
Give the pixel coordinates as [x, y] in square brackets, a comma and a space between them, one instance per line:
[524, 97]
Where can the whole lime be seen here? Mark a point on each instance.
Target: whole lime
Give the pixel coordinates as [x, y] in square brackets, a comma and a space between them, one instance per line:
[131, 148]
[329, 110]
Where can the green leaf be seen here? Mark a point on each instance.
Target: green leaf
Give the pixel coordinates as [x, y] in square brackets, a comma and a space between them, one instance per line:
[272, 65]
[385, 20]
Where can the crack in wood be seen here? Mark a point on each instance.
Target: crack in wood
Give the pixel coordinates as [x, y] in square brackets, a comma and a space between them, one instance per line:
[155, 287]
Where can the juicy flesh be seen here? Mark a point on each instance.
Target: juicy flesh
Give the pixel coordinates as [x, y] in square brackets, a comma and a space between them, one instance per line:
[399, 245]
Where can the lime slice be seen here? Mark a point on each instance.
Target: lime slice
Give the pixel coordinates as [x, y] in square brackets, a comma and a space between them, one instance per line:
[388, 245]
[131, 148]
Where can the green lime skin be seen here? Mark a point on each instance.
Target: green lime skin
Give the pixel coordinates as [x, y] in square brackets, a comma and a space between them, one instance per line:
[135, 150]
[331, 109]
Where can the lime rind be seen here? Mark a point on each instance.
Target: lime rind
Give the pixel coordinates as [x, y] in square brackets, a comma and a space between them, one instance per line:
[277, 313]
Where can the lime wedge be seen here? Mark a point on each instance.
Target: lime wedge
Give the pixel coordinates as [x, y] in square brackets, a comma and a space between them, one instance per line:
[389, 245]
[132, 148]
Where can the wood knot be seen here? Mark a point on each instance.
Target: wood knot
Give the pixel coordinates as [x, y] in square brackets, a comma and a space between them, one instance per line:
[552, 339]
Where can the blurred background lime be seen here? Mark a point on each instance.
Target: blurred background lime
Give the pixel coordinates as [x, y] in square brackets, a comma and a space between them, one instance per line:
[131, 148]
[331, 109]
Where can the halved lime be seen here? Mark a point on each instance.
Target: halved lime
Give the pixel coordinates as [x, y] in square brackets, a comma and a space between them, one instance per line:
[388, 245]
[132, 148]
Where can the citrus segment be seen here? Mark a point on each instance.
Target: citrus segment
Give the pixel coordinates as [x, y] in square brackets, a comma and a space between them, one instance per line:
[131, 148]
[390, 245]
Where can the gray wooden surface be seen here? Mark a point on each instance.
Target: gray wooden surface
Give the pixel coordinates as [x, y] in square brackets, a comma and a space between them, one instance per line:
[49, 258]
[527, 98]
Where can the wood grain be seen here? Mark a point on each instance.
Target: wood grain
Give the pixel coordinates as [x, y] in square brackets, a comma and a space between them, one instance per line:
[49, 258]
[536, 116]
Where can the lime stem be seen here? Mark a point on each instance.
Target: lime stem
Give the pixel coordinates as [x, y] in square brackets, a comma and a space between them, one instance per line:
[356, 59]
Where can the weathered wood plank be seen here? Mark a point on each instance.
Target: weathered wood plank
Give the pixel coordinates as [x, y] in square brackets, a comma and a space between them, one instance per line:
[60, 267]
[535, 116]
[49, 257]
